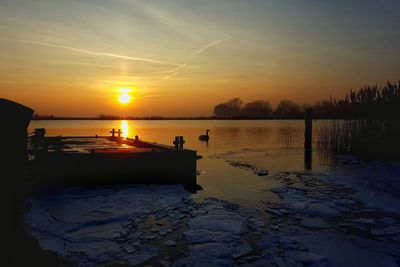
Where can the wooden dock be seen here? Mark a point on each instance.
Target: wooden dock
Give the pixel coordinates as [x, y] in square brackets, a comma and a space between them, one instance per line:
[101, 160]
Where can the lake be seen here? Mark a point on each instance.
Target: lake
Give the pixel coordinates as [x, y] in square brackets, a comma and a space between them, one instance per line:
[236, 150]
[264, 203]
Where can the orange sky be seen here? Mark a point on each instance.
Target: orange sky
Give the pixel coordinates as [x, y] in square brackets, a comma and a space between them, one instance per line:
[70, 58]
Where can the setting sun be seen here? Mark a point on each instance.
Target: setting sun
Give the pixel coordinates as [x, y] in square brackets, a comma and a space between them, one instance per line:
[124, 96]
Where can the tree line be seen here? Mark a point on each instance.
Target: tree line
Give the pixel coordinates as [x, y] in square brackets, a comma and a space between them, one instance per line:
[369, 102]
[234, 108]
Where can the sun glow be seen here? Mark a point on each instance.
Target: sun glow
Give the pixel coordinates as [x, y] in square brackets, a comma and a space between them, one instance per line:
[124, 97]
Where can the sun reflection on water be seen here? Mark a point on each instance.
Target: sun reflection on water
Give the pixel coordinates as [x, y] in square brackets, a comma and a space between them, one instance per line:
[125, 128]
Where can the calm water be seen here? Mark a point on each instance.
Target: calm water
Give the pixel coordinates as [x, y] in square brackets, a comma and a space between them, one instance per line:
[267, 145]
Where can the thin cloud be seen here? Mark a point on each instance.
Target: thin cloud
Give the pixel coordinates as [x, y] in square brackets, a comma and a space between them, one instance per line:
[95, 53]
[175, 71]
[207, 46]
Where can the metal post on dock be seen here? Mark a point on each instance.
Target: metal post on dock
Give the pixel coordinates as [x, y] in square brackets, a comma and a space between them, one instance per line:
[308, 129]
[178, 143]
[181, 142]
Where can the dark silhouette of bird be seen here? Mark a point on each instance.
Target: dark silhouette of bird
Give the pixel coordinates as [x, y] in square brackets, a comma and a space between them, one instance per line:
[204, 137]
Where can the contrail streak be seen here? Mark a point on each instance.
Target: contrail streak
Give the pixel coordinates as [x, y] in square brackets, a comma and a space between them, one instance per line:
[95, 53]
[176, 71]
[205, 47]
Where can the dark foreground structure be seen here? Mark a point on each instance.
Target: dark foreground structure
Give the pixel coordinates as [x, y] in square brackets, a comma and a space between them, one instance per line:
[91, 160]
[17, 248]
[94, 160]
[64, 161]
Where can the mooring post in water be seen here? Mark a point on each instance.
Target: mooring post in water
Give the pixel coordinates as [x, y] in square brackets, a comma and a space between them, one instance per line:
[308, 129]
[307, 159]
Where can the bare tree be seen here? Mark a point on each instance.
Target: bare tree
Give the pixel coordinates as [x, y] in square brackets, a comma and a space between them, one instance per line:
[257, 109]
[287, 108]
[228, 109]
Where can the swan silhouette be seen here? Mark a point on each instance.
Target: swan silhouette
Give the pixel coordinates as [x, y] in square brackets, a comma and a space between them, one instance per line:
[204, 137]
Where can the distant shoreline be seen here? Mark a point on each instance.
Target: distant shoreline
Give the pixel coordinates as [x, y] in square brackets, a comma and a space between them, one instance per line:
[170, 118]
[164, 118]
[195, 118]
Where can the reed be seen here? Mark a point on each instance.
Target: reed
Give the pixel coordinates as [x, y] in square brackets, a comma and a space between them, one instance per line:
[370, 102]
[373, 139]
[368, 123]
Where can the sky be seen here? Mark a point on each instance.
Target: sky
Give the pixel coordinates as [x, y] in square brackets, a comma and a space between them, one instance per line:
[182, 57]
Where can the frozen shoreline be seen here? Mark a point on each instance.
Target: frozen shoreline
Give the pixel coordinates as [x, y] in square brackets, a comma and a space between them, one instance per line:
[347, 217]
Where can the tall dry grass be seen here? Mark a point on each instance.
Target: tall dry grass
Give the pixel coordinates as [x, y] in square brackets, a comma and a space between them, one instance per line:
[374, 139]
